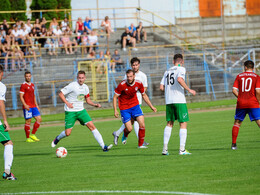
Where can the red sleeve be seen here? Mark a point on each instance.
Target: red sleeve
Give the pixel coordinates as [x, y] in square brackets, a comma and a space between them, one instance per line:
[119, 89]
[87, 96]
[22, 89]
[236, 83]
[257, 83]
[141, 88]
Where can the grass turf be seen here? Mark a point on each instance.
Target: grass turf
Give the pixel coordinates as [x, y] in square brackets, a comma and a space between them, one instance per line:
[212, 168]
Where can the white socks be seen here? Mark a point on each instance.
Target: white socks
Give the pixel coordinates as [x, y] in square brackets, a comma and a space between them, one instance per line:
[167, 135]
[183, 137]
[136, 127]
[62, 135]
[98, 137]
[120, 130]
[8, 157]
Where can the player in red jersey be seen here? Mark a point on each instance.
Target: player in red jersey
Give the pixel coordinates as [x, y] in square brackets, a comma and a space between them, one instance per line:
[129, 105]
[247, 90]
[30, 108]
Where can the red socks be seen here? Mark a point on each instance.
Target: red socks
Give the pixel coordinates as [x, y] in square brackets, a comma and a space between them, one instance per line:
[141, 136]
[235, 130]
[126, 132]
[35, 127]
[27, 130]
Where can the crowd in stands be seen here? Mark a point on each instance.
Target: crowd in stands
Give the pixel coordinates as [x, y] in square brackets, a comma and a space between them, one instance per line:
[20, 41]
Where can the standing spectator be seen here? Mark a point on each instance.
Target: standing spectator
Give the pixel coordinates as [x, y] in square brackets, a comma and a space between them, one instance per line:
[54, 24]
[173, 83]
[141, 32]
[64, 24]
[106, 24]
[87, 25]
[28, 25]
[116, 61]
[127, 39]
[92, 41]
[30, 108]
[79, 26]
[132, 30]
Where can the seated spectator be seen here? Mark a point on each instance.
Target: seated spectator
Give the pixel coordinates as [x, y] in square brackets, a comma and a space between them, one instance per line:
[24, 34]
[43, 23]
[67, 43]
[49, 44]
[87, 25]
[141, 32]
[2, 33]
[79, 26]
[19, 23]
[28, 25]
[6, 26]
[127, 39]
[37, 26]
[16, 34]
[92, 41]
[132, 30]
[18, 56]
[100, 56]
[29, 51]
[73, 40]
[53, 25]
[43, 34]
[107, 55]
[106, 25]
[8, 53]
[64, 24]
[92, 55]
[84, 41]
[116, 61]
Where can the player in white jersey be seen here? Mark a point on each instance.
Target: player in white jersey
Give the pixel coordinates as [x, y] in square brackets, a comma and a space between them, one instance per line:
[4, 135]
[139, 75]
[74, 95]
[173, 83]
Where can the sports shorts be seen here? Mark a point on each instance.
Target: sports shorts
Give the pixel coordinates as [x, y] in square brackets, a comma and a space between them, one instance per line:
[71, 117]
[254, 114]
[133, 112]
[33, 112]
[177, 112]
[4, 135]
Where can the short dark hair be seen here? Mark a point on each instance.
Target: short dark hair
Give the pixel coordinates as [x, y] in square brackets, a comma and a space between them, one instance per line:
[135, 59]
[177, 56]
[27, 72]
[81, 72]
[129, 71]
[249, 64]
[1, 68]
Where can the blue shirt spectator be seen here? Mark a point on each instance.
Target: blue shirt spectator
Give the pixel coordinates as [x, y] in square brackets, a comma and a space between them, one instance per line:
[132, 30]
[87, 24]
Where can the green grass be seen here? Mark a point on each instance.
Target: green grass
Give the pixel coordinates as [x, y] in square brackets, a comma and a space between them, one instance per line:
[107, 113]
[212, 168]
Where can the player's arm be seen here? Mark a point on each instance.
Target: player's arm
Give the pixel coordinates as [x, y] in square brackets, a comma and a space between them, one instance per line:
[185, 86]
[63, 98]
[148, 102]
[161, 87]
[2, 110]
[89, 102]
[235, 91]
[23, 101]
[258, 95]
[35, 101]
[116, 114]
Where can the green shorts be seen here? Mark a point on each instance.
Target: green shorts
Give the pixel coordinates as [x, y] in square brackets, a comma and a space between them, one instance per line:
[177, 112]
[4, 135]
[71, 117]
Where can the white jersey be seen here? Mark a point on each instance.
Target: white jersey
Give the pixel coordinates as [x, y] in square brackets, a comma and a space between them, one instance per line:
[173, 91]
[143, 78]
[2, 93]
[75, 94]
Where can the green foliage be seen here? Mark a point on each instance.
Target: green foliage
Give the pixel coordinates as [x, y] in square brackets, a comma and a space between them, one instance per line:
[5, 6]
[64, 4]
[18, 5]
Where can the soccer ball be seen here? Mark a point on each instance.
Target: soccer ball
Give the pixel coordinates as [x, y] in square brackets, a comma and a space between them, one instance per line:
[61, 152]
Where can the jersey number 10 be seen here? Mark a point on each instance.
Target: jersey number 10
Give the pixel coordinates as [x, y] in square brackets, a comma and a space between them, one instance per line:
[170, 79]
[246, 84]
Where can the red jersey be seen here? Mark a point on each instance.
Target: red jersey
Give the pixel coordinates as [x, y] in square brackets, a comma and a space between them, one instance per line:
[28, 91]
[127, 94]
[247, 83]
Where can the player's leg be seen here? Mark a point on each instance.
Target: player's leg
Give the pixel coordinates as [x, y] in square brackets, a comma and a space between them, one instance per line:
[36, 114]
[239, 117]
[258, 123]
[141, 134]
[170, 118]
[28, 117]
[254, 115]
[126, 119]
[117, 133]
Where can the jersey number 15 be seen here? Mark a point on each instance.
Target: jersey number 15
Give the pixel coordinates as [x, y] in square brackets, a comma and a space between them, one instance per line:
[170, 79]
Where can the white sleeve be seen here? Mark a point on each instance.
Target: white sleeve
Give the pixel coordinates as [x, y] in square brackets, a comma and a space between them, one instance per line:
[145, 83]
[162, 81]
[2, 92]
[181, 73]
[87, 91]
[67, 89]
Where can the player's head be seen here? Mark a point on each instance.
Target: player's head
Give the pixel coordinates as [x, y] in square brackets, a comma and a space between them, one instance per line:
[135, 64]
[1, 72]
[28, 76]
[178, 59]
[81, 77]
[249, 65]
[130, 76]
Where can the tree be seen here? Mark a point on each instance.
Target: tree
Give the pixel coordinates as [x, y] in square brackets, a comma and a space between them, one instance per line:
[18, 5]
[5, 6]
[44, 5]
[64, 4]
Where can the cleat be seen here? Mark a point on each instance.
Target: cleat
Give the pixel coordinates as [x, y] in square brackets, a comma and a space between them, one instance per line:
[34, 138]
[124, 139]
[29, 140]
[184, 152]
[115, 138]
[165, 152]
[107, 148]
[234, 146]
[145, 143]
[9, 177]
[142, 147]
[54, 142]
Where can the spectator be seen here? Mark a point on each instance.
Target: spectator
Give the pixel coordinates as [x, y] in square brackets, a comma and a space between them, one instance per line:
[18, 56]
[67, 43]
[37, 26]
[64, 24]
[49, 44]
[79, 27]
[28, 25]
[132, 30]
[127, 39]
[3, 33]
[73, 40]
[57, 31]
[92, 55]
[43, 34]
[8, 53]
[100, 56]
[106, 24]
[141, 32]
[30, 51]
[116, 61]
[16, 34]
[84, 41]
[24, 34]
[43, 23]
[87, 25]
[6, 26]
[92, 41]
[53, 25]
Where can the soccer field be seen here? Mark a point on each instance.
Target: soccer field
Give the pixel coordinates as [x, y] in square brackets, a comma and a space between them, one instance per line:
[213, 168]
